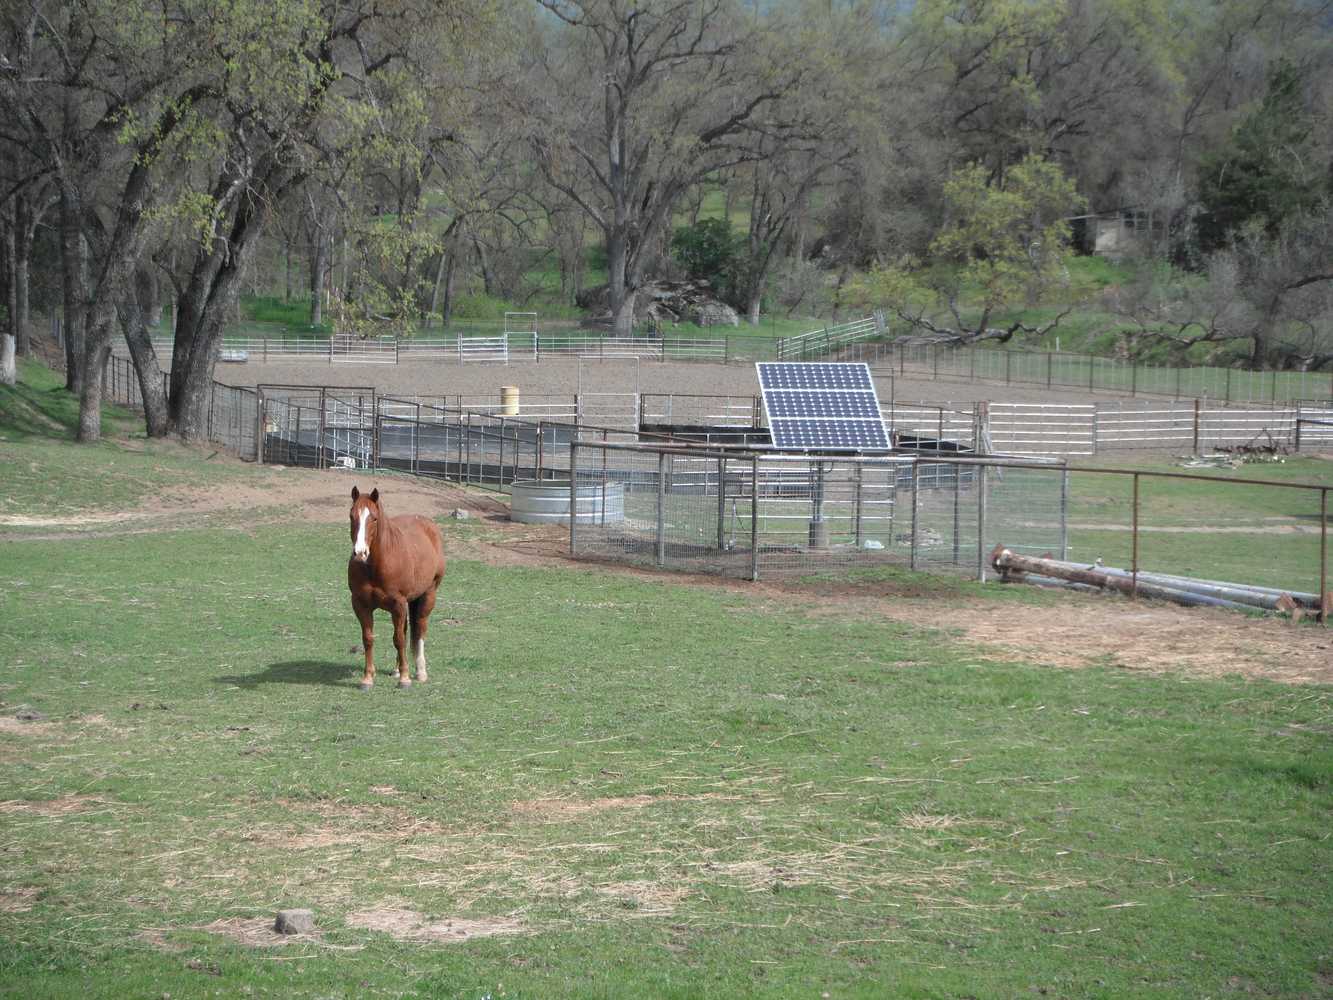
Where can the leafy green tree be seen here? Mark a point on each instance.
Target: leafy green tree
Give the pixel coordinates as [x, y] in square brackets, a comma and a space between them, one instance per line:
[708, 251]
[1269, 169]
[1004, 247]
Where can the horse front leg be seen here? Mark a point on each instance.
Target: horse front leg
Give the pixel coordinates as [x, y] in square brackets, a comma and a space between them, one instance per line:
[366, 616]
[399, 613]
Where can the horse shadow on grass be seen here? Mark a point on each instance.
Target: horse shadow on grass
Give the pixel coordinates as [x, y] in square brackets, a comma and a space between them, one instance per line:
[330, 673]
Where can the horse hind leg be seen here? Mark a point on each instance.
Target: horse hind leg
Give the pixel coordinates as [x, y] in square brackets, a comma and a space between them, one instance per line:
[421, 609]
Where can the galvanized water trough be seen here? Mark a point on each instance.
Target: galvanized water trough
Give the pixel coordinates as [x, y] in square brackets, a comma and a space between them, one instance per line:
[546, 501]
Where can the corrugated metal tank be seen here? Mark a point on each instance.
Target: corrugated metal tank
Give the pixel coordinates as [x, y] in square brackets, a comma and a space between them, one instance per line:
[546, 501]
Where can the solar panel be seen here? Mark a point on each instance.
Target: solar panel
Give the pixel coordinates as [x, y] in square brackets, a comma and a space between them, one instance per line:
[822, 407]
[803, 403]
[830, 435]
[809, 375]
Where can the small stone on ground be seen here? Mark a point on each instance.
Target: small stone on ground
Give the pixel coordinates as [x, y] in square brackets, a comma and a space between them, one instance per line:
[295, 922]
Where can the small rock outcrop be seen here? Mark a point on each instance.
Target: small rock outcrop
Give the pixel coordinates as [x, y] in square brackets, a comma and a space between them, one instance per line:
[662, 304]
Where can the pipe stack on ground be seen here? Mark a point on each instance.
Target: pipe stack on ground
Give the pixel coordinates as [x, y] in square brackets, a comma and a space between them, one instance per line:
[1163, 586]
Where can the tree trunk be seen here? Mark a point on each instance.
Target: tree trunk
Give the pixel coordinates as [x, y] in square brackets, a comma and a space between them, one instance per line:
[8, 369]
[484, 262]
[24, 231]
[73, 260]
[620, 295]
[146, 366]
[622, 318]
[319, 267]
[148, 296]
[447, 306]
[97, 353]
[433, 310]
[210, 294]
[8, 274]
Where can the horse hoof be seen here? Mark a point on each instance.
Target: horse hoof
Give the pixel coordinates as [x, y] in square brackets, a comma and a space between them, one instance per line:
[404, 682]
[421, 678]
[365, 685]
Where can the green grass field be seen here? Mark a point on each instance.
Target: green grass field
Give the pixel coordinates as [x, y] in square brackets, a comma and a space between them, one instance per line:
[615, 786]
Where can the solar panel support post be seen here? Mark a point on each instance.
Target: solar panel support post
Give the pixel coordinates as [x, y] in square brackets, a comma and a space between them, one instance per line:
[661, 508]
[754, 518]
[916, 495]
[818, 526]
[722, 503]
[860, 526]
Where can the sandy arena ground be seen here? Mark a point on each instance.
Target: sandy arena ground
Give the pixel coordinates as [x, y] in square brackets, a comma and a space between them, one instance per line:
[565, 376]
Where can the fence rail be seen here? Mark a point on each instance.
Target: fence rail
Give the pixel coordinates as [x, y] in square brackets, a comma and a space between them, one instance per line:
[751, 513]
[1051, 369]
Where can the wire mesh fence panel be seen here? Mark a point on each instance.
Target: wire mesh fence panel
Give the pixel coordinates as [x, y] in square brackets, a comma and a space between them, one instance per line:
[1249, 535]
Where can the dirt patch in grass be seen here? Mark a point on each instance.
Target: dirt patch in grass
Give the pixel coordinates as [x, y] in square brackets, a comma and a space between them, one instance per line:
[252, 932]
[559, 810]
[643, 898]
[408, 925]
[18, 899]
[333, 824]
[63, 806]
[24, 727]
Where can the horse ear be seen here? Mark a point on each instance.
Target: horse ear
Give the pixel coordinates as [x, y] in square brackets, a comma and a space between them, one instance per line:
[375, 495]
[355, 493]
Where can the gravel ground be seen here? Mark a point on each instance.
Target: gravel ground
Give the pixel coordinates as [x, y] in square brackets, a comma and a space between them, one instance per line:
[567, 376]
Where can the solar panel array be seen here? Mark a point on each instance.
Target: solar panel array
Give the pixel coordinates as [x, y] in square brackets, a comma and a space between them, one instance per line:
[822, 407]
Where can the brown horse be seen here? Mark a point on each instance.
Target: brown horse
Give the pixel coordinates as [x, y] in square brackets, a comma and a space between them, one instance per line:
[396, 566]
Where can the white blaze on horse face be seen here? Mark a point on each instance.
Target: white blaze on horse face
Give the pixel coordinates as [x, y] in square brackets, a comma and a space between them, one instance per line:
[361, 547]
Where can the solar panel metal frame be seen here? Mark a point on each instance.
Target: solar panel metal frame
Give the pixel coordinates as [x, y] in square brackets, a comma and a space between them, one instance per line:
[821, 389]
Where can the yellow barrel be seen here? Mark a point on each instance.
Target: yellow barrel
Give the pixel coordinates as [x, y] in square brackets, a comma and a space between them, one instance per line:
[509, 400]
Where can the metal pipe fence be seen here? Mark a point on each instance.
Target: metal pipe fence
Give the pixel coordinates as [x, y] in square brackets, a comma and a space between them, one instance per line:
[1053, 369]
[753, 513]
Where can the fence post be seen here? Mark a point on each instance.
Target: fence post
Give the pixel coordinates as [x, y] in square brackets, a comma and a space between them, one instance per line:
[1064, 513]
[500, 469]
[916, 492]
[754, 518]
[573, 493]
[957, 509]
[416, 442]
[537, 458]
[936, 360]
[981, 523]
[259, 427]
[661, 507]
[1325, 598]
[1196, 427]
[860, 513]
[1133, 378]
[722, 503]
[1008, 359]
[1134, 555]
[1049, 365]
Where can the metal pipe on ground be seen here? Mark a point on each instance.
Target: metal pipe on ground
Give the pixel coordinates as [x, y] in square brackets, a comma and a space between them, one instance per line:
[1184, 597]
[1010, 563]
[1260, 596]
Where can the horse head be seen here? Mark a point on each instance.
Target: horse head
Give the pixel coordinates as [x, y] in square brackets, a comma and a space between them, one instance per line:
[364, 515]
